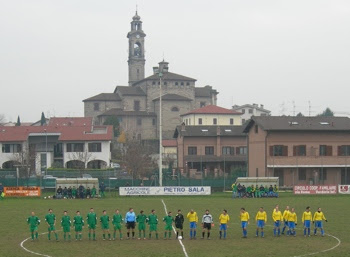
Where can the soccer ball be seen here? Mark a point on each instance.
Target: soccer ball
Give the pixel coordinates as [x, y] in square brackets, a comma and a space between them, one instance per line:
[49, 197]
[45, 197]
[180, 237]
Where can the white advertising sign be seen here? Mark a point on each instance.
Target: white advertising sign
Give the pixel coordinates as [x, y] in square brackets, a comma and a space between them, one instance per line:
[176, 190]
[344, 189]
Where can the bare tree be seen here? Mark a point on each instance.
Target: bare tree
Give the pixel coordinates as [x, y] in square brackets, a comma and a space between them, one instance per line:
[25, 160]
[80, 160]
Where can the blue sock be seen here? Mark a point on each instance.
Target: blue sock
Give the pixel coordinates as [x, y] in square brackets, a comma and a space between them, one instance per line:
[224, 233]
[294, 232]
[284, 228]
[257, 233]
[262, 233]
[279, 231]
[191, 233]
[308, 231]
[274, 231]
[304, 231]
[315, 231]
[322, 231]
[288, 232]
[194, 233]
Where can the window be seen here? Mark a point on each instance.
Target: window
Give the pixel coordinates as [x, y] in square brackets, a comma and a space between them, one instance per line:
[139, 121]
[75, 147]
[182, 83]
[136, 105]
[250, 111]
[192, 150]
[43, 160]
[176, 83]
[302, 174]
[209, 150]
[200, 122]
[11, 148]
[326, 150]
[187, 83]
[242, 150]
[153, 121]
[243, 111]
[256, 128]
[58, 150]
[215, 121]
[243, 121]
[278, 150]
[344, 150]
[174, 109]
[231, 122]
[96, 106]
[202, 104]
[165, 83]
[94, 147]
[153, 83]
[299, 150]
[228, 150]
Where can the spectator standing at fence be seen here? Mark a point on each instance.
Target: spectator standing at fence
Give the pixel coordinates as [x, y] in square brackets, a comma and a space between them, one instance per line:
[102, 189]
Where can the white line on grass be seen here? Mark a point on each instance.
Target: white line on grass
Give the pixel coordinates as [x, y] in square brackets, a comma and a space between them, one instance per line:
[21, 244]
[180, 241]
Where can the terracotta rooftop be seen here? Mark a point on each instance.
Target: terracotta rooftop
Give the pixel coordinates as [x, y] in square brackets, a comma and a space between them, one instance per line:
[169, 143]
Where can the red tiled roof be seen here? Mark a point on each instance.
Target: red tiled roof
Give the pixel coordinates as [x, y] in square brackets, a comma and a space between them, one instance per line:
[70, 121]
[67, 133]
[212, 109]
[169, 143]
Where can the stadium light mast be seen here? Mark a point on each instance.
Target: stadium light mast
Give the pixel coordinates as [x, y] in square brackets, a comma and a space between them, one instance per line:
[160, 71]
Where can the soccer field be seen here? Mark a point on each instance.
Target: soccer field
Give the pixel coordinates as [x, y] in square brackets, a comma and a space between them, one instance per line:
[14, 212]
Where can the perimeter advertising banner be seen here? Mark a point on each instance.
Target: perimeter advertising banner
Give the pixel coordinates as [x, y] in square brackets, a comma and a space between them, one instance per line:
[177, 190]
[22, 191]
[344, 189]
[315, 189]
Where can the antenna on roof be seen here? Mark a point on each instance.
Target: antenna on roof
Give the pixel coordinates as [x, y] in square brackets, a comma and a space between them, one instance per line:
[309, 108]
[293, 108]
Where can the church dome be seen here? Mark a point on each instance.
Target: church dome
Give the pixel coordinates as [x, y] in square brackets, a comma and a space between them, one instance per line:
[136, 17]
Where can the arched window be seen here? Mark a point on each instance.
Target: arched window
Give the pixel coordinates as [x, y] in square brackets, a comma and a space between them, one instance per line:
[174, 109]
[137, 50]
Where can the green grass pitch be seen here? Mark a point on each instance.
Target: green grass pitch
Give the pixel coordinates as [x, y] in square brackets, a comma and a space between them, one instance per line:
[13, 214]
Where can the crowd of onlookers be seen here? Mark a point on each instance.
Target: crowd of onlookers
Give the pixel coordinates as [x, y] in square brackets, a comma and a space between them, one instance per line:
[80, 192]
[241, 191]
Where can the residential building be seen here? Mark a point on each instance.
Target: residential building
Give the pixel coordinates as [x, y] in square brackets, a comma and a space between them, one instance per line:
[169, 153]
[210, 150]
[139, 101]
[211, 115]
[63, 142]
[249, 110]
[299, 150]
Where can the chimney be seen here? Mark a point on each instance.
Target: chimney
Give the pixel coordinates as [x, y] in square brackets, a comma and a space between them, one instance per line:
[255, 105]
[261, 106]
[183, 126]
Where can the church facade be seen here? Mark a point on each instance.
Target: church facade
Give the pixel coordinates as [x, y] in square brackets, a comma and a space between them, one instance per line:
[137, 105]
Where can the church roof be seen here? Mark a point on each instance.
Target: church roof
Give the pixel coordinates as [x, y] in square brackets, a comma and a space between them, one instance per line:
[120, 112]
[104, 97]
[173, 97]
[166, 76]
[129, 91]
[212, 109]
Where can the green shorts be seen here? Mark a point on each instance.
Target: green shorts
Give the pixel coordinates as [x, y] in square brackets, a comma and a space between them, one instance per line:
[105, 226]
[168, 227]
[33, 229]
[92, 226]
[117, 226]
[66, 228]
[78, 228]
[153, 227]
[142, 226]
[51, 228]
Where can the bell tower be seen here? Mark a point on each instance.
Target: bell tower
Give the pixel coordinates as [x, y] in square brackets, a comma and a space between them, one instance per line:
[136, 59]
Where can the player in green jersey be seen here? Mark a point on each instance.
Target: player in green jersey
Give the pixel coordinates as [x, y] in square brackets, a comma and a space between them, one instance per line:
[152, 220]
[50, 219]
[93, 192]
[168, 224]
[74, 192]
[91, 221]
[117, 222]
[66, 223]
[104, 219]
[78, 223]
[141, 220]
[34, 222]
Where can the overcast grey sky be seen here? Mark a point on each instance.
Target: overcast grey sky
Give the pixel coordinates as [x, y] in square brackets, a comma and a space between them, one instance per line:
[54, 54]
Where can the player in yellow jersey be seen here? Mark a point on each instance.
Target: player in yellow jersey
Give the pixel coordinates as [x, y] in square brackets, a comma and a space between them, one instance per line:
[261, 219]
[292, 222]
[244, 217]
[306, 219]
[193, 219]
[318, 219]
[223, 220]
[277, 219]
[285, 220]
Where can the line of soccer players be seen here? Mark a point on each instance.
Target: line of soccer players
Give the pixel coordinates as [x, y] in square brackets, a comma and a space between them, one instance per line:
[288, 218]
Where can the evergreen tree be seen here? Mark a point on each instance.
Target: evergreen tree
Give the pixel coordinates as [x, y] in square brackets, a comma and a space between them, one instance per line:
[113, 120]
[18, 123]
[43, 119]
[327, 113]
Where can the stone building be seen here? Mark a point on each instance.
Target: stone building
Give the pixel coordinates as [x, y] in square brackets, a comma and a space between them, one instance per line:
[137, 105]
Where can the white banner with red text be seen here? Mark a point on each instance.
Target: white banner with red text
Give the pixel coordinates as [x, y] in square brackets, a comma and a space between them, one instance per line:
[315, 189]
